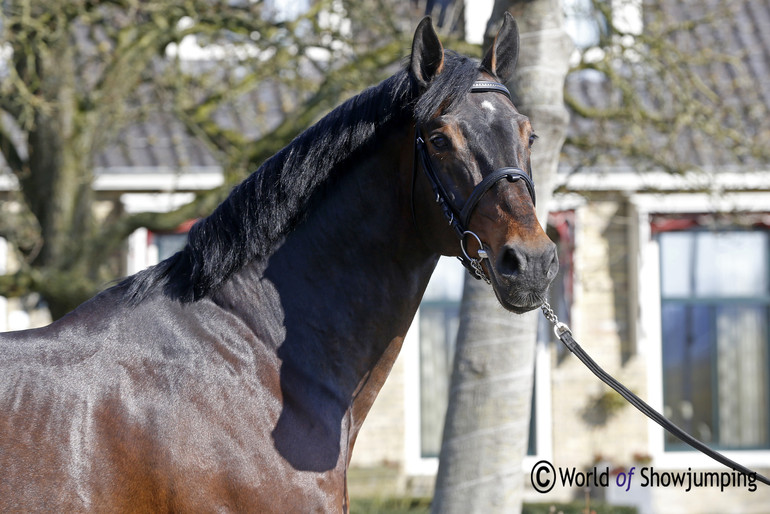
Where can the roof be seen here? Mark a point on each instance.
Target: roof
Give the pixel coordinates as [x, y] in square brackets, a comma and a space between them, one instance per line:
[734, 54]
[727, 47]
[161, 141]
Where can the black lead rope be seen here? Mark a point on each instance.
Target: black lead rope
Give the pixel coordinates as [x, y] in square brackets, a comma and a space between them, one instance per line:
[564, 334]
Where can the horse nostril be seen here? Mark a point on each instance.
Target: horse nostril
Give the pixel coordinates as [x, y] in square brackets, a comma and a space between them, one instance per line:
[510, 262]
[553, 267]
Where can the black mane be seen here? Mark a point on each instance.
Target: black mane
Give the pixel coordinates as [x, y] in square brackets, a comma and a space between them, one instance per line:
[274, 199]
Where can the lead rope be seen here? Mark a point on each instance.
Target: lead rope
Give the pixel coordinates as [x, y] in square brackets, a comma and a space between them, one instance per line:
[564, 334]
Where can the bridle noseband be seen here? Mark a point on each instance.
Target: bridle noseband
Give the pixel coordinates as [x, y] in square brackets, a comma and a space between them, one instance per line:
[459, 218]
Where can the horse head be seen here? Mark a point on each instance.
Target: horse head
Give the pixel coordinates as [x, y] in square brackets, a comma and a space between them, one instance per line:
[475, 151]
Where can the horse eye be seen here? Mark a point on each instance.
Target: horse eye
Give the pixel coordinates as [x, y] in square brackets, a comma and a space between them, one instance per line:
[532, 140]
[439, 141]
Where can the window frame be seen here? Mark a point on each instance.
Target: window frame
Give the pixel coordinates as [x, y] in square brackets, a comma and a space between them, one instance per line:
[711, 303]
[418, 465]
[414, 462]
[647, 325]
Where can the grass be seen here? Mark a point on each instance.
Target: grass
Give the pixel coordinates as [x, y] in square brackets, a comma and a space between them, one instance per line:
[389, 506]
[422, 506]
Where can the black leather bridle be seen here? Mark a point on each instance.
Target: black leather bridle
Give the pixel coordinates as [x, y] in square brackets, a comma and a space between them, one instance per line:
[460, 218]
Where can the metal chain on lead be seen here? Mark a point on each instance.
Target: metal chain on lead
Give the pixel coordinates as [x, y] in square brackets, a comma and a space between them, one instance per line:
[559, 328]
[476, 265]
[548, 313]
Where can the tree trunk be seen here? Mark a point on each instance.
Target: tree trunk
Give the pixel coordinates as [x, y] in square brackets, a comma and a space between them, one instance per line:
[58, 188]
[487, 424]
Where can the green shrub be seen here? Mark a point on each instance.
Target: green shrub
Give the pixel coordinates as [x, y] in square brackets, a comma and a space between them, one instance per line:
[422, 506]
[389, 506]
[577, 507]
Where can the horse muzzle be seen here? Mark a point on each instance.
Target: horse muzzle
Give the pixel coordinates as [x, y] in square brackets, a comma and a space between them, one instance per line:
[520, 275]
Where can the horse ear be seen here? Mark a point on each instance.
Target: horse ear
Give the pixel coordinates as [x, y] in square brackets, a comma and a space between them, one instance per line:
[501, 58]
[427, 59]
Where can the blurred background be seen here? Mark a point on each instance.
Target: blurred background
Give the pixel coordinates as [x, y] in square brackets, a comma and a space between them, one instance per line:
[122, 122]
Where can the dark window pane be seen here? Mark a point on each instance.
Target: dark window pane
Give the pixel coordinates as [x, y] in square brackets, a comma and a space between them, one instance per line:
[687, 370]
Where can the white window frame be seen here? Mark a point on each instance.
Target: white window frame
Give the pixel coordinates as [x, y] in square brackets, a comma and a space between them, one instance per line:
[3, 271]
[141, 251]
[544, 410]
[647, 328]
[414, 463]
[417, 465]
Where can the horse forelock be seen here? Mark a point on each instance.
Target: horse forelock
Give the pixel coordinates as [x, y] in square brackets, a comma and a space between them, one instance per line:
[262, 209]
[454, 82]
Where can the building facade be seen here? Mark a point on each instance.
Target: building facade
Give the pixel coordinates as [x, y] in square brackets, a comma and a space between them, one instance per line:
[668, 291]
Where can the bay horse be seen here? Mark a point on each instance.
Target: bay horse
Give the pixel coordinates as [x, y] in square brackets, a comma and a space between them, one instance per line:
[235, 375]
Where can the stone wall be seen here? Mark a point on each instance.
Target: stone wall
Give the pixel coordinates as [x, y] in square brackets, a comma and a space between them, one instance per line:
[605, 427]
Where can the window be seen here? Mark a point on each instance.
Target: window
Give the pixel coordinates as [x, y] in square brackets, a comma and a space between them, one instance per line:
[146, 248]
[3, 271]
[438, 323]
[439, 319]
[168, 243]
[715, 307]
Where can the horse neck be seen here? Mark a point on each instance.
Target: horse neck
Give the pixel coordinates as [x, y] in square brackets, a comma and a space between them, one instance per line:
[346, 283]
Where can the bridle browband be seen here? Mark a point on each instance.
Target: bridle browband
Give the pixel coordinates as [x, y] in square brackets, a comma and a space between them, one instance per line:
[459, 218]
